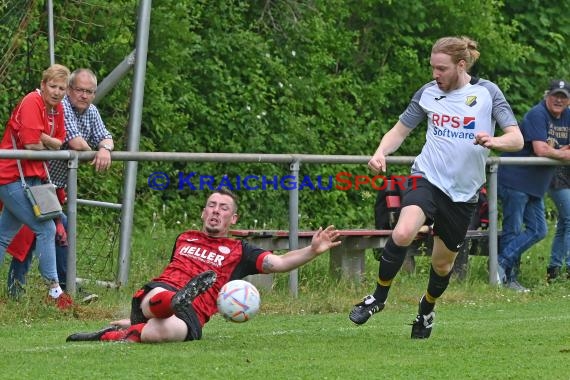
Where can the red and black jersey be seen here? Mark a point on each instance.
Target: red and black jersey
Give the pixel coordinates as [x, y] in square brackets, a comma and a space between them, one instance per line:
[195, 252]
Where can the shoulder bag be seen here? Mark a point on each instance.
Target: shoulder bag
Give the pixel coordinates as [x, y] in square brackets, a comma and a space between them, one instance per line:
[43, 198]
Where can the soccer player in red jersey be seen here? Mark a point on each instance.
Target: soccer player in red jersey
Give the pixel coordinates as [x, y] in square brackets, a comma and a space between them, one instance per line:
[175, 305]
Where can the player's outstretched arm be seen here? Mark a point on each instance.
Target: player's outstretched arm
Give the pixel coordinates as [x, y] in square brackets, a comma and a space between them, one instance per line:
[390, 142]
[322, 241]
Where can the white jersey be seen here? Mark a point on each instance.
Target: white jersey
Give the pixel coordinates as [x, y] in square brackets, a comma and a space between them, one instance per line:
[449, 159]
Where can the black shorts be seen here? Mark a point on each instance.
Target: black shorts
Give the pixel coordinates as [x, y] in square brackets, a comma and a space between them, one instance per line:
[450, 219]
[137, 316]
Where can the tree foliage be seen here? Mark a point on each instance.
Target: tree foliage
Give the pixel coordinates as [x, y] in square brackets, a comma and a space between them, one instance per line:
[291, 76]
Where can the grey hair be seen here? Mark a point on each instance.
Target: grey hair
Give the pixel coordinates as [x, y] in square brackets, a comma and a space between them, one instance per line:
[79, 71]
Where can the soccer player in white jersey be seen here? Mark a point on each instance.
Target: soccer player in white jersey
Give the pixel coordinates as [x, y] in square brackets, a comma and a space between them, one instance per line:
[461, 112]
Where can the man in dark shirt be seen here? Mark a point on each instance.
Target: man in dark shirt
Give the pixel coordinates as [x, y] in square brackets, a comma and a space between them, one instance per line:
[522, 187]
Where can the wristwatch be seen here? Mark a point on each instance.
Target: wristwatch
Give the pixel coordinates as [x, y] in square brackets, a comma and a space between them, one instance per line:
[107, 146]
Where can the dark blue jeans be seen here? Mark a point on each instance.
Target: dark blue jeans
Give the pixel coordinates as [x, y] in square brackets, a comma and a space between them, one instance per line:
[19, 269]
[561, 242]
[524, 224]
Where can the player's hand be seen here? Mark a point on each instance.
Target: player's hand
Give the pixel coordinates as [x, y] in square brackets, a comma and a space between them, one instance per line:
[325, 239]
[102, 160]
[377, 163]
[122, 323]
[484, 140]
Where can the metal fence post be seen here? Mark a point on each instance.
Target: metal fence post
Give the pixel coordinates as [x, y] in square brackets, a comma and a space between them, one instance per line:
[71, 276]
[294, 225]
[493, 224]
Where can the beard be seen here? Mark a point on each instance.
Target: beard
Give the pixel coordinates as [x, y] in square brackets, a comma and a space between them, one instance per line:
[212, 230]
[450, 84]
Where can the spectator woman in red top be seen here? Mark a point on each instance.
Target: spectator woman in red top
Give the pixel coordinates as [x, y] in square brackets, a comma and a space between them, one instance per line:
[37, 123]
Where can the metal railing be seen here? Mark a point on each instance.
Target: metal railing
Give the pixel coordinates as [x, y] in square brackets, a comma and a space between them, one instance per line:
[294, 160]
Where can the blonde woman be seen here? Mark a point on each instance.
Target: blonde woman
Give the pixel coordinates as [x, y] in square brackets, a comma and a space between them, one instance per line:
[37, 123]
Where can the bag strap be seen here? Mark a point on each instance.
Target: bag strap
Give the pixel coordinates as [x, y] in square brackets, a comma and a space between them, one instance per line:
[20, 166]
[52, 127]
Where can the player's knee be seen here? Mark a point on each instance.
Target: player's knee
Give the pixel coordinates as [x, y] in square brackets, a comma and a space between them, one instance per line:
[150, 335]
[164, 330]
[192, 327]
[403, 236]
[442, 265]
[442, 268]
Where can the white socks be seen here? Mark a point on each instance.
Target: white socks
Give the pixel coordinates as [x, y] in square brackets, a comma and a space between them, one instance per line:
[55, 292]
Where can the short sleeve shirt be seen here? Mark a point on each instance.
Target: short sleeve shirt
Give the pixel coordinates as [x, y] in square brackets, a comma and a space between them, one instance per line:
[449, 159]
[26, 124]
[88, 125]
[538, 125]
[195, 252]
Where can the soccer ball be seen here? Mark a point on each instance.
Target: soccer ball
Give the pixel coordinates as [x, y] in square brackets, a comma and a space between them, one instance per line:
[238, 301]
